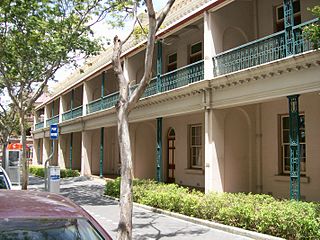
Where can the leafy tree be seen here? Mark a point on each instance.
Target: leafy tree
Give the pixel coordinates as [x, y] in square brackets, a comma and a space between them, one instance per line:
[37, 37]
[9, 125]
[128, 101]
[312, 32]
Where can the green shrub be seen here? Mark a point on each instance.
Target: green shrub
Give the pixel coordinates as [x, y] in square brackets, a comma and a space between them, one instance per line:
[39, 171]
[256, 212]
[64, 173]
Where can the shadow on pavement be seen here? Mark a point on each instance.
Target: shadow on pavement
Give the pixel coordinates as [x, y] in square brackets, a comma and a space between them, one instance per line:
[87, 195]
[153, 219]
[80, 190]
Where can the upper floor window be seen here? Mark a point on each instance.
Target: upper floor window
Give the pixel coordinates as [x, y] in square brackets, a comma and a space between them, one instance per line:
[285, 144]
[195, 52]
[195, 145]
[279, 15]
[172, 62]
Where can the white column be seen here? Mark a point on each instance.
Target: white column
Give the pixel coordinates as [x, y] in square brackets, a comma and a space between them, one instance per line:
[46, 115]
[61, 150]
[61, 108]
[46, 149]
[259, 187]
[85, 100]
[86, 153]
[35, 120]
[35, 152]
[214, 147]
[208, 46]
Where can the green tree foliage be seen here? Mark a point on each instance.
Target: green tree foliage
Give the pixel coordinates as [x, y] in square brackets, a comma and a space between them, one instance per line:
[37, 37]
[9, 126]
[312, 32]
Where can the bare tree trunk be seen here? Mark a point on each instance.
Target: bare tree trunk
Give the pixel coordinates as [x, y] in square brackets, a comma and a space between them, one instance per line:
[124, 106]
[4, 149]
[24, 163]
[125, 223]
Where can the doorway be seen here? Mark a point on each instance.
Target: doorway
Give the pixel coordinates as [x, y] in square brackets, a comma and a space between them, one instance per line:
[171, 136]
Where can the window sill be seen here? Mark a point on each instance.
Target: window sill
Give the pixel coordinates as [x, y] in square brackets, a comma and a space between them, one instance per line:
[286, 178]
[195, 171]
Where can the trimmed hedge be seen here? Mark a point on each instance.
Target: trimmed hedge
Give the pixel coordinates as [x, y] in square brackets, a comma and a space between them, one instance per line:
[256, 212]
[64, 173]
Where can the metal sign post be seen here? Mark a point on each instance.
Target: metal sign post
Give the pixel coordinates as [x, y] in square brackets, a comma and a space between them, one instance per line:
[54, 134]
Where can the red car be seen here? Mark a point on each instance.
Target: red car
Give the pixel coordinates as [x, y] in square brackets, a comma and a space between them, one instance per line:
[41, 215]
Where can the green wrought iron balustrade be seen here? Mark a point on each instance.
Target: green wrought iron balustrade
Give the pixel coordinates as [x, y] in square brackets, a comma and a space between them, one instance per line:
[254, 53]
[53, 120]
[183, 76]
[77, 112]
[263, 50]
[39, 125]
[94, 106]
[300, 43]
[151, 88]
[72, 113]
[67, 115]
[110, 100]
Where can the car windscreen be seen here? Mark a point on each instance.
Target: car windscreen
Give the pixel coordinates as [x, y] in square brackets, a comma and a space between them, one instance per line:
[49, 229]
[3, 183]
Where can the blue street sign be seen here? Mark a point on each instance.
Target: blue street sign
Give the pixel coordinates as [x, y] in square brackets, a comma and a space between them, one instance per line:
[54, 131]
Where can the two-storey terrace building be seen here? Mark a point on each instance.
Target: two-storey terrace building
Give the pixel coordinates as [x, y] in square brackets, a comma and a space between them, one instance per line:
[230, 80]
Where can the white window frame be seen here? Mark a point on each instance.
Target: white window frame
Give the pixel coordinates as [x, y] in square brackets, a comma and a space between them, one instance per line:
[193, 148]
[284, 144]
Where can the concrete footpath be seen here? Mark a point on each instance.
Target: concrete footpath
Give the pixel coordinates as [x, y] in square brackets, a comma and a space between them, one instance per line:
[147, 224]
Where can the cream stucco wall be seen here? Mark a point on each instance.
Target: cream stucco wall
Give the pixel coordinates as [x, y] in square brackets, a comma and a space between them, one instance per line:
[233, 25]
[143, 145]
[279, 185]
[94, 157]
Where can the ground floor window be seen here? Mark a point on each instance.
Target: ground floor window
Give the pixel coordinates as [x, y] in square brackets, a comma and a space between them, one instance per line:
[285, 144]
[195, 145]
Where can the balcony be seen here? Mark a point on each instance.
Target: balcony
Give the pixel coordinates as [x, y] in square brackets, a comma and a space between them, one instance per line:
[261, 51]
[264, 50]
[53, 120]
[39, 125]
[171, 80]
[73, 113]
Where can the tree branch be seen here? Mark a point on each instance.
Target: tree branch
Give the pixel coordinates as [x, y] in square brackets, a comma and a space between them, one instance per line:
[164, 13]
[135, 17]
[153, 27]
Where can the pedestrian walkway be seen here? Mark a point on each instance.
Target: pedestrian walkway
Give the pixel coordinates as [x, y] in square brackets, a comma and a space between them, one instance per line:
[88, 193]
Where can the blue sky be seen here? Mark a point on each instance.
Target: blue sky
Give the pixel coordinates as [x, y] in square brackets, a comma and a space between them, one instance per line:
[106, 32]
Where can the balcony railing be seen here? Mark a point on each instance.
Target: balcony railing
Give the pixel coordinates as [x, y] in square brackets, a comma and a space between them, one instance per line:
[261, 51]
[103, 103]
[73, 113]
[109, 100]
[39, 125]
[264, 50]
[183, 76]
[94, 106]
[53, 120]
[300, 43]
[177, 78]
